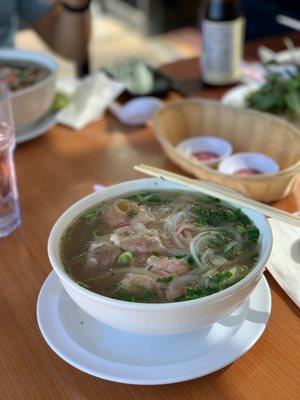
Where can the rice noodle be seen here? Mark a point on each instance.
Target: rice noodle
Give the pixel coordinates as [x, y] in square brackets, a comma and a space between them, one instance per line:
[205, 257]
[178, 231]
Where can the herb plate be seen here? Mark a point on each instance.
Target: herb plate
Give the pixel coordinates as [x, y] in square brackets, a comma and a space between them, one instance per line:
[119, 356]
[236, 96]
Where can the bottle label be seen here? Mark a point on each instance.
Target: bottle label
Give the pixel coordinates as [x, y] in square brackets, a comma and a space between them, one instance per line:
[222, 46]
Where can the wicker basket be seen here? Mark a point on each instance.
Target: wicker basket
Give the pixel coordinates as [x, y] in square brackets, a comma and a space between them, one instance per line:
[246, 130]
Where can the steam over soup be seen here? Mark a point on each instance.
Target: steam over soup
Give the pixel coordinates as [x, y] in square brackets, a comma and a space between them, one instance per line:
[158, 247]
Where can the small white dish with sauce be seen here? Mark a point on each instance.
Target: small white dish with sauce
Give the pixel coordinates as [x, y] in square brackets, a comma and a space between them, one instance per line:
[209, 150]
[248, 164]
[136, 111]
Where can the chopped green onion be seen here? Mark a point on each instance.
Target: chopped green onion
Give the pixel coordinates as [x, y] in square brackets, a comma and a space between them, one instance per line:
[222, 276]
[95, 234]
[124, 258]
[166, 279]
[191, 262]
[131, 213]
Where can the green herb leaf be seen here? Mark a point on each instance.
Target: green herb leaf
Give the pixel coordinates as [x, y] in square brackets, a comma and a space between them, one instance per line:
[192, 264]
[148, 295]
[126, 296]
[252, 235]
[255, 257]
[166, 279]
[196, 293]
[95, 234]
[81, 256]
[221, 277]
[211, 217]
[279, 95]
[91, 216]
[132, 213]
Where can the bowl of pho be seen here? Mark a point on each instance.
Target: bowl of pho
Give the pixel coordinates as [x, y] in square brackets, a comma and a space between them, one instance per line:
[30, 77]
[149, 256]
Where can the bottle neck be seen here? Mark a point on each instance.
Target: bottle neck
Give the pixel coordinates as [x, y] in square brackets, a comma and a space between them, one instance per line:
[222, 10]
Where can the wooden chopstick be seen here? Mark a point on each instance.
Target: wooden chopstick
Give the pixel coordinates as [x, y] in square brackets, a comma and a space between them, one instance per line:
[220, 192]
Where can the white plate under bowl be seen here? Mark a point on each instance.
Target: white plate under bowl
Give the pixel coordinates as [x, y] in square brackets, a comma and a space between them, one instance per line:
[38, 128]
[119, 356]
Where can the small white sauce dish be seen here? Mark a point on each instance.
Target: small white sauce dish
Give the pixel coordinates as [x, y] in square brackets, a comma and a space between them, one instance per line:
[248, 161]
[205, 145]
[136, 111]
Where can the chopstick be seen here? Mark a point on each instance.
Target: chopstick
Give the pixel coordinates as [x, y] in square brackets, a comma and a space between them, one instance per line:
[288, 21]
[220, 192]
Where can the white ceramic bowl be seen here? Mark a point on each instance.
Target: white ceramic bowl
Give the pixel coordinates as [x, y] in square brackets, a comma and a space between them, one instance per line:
[137, 111]
[212, 144]
[169, 318]
[32, 102]
[247, 160]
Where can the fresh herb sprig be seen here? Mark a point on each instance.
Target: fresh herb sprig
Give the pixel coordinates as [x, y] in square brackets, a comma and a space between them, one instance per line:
[279, 95]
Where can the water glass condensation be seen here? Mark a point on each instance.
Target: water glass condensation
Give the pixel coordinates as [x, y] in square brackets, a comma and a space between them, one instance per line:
[9, 204]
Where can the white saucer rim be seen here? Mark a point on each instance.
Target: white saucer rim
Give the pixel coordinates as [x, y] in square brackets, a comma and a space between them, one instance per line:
[39, 128]
[151, 381]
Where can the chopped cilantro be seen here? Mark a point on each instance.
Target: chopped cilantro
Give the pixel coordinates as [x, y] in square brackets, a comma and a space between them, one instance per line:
[91, 216]
[95, 234]
[197, 292]
[204, 198]
[144, 197]
[240, 228]
[68, 231]
[166, 279]
[126, 296]
[138, 197]
[221, 277]
[131, 213]
[252, 235]
[152, 198]
[237, 216]
[211, 217]
[148, 295]
[191, 262]
[81, 256]
[255, 257]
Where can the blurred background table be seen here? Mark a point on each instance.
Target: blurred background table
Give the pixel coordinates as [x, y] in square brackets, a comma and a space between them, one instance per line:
[53, 172]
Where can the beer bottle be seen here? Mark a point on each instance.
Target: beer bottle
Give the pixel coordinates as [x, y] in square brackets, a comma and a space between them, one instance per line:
[222, 42]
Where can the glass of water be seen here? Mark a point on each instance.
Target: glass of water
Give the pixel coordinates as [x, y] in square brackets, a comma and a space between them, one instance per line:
[9, 204]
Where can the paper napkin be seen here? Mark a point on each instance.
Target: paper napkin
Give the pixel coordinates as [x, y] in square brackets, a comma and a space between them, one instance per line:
[284, 263]
[90, 99]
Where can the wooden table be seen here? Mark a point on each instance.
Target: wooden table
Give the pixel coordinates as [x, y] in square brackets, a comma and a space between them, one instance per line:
[53, 172]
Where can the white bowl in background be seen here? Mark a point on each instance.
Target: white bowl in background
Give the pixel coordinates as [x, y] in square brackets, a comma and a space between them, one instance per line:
[248, 160]
[211, 144]
[136, 111]
[167, 318]
[32, 102]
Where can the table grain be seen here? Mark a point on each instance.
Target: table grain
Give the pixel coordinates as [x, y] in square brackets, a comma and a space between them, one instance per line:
[53, 172]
